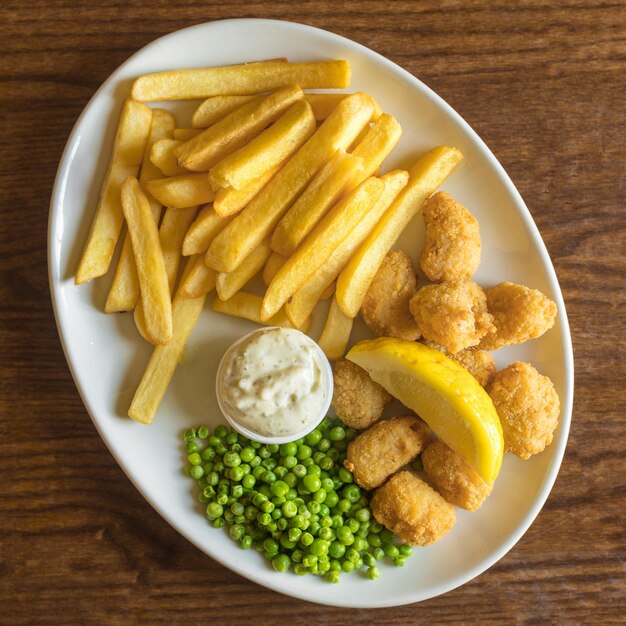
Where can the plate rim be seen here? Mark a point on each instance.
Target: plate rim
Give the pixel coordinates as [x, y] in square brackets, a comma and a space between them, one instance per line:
[545, 487]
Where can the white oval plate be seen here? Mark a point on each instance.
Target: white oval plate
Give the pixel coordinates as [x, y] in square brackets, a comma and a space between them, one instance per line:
[106, 356]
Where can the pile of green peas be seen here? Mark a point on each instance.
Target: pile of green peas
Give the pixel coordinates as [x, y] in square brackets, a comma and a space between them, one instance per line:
[295, 503]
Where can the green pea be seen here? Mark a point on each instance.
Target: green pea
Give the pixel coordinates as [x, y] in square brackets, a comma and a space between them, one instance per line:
[399, 561]
[270, 545]
[246, 542]
[312, 483]
[337, 434]
[373, 572]
[236, 474]
[336, 549]
[290, 461]
[247, 454]
[202, 432]
[289, 509]
[307, 539]
[208, 454]
[194, 459]
[196, 472]
[347, 566]
[299, 471]
[333, 576]
[345, 536]
[279, 488]
[214, 510]
[360, 544]
[318, 547]
[304, 452]
[189, 435]
[192, 447]
[313, 437]
[288, 449]
[391, 550]
[406, 550]
[248, 481]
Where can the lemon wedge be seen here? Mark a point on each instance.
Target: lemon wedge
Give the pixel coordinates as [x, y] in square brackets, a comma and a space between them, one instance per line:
[444, 394]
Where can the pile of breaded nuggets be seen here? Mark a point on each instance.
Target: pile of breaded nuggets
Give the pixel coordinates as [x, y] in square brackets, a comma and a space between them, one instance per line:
[454, 315]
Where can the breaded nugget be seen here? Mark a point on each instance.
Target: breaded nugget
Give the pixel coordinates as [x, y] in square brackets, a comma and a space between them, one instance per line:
[528, 407]
[478, 363]
[452, 247]
[412, 509]
[357, 399]
[385, 308]
[384, 448]
[455, 479]
[453, 314]
[519, 314]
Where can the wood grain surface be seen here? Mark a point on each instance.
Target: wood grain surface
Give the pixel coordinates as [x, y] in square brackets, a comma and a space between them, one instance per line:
[543, 83]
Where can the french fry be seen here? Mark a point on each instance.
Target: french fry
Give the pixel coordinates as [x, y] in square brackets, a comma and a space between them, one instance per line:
[235, 130]
[336, 333]
[181, 192]
[227, 285]
[128, 150]
[302, 303]
[154, 288]
[378, 142]
[230, 201]
[174, 226]
[273, 264]
[424, 178]
[213, 109]
[199, 281]
[240, 80]
[248, 306]
[203, 230]
[164, 359]
[320, 244]
[185, 134]
[267, 150]
[124, 292]
[162, 156]
[171, 233]
[341, 173]
[258, 219]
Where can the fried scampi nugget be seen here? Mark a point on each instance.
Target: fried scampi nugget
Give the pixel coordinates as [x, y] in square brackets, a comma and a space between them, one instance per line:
[453, 314]
[412, 509]
[478, 363]
[357, 399]
[528, 407]
[456, 480]
[384, 448]
[452, 248]
[519, 314]
[385, 308]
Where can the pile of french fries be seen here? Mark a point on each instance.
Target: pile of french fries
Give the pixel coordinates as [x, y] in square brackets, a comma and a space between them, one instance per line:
[268, 179]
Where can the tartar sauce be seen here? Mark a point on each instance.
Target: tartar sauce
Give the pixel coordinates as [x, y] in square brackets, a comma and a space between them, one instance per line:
[274, 382]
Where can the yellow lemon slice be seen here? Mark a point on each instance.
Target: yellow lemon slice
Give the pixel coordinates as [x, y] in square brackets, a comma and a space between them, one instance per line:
[445, 395]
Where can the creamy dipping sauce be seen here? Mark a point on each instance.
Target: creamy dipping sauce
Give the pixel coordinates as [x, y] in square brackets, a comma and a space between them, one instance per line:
[273, 383]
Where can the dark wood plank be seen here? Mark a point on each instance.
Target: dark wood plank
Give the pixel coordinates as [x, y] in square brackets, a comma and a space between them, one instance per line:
[543, 83]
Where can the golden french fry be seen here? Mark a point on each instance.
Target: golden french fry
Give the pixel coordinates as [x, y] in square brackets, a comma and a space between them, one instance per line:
[213, 109]
[124, 292]
[267, 150]
[128, 150]
[162, 157]
[154, 288]
[248, 306]
[199, 281]
[235, 130]
[259, 218]
[203, 230]
[230, 201]
[424, 178]
[336, 334]
[320, 244]
[227, 285]
[378, 142]
[185, 134]
[181, 192]
[174, 227]
[341, 173]
[273, 264]
[240, 80]
[164, 359]
[301, 304]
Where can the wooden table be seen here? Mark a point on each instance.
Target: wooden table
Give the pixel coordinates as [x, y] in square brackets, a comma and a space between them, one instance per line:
[543, 84]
